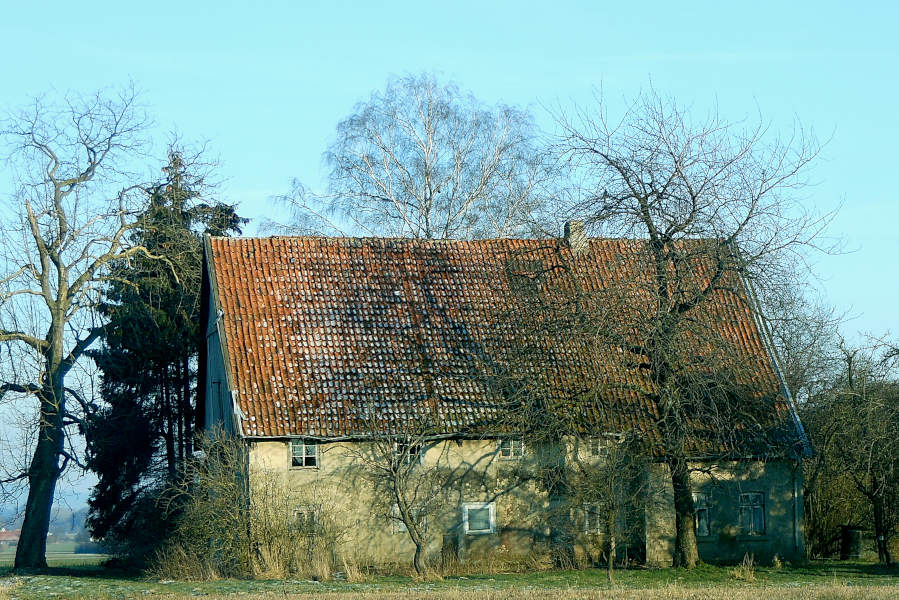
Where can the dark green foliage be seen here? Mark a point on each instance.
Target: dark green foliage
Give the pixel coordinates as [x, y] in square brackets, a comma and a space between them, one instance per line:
[125, 425]
[138, 442]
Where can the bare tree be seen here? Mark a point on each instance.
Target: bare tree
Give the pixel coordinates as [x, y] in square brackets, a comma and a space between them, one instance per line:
[609, 486]
[426, 160]
[715, 208]
[409, 485]
[62, 230]
[805, 333]
[860, 438]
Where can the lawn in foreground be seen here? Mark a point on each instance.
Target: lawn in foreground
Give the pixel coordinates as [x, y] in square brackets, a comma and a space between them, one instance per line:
[818, 580]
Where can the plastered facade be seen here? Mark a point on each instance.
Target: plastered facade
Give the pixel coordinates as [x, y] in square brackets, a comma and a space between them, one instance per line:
[338, 488]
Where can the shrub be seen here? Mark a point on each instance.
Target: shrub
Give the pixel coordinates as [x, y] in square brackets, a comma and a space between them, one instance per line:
[745, 571]
[220, 532]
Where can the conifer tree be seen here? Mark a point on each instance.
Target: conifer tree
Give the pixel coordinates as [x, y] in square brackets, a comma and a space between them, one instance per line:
[149, 353]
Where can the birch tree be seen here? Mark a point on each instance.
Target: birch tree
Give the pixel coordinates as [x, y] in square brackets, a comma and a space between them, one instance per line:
[62, 228]
[426, 160]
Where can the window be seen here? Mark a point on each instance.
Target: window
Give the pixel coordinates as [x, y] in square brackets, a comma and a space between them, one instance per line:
[597, 447]
[479, 517]
[303, 454]
[596, 518]
[304, 519]
[407, 453]
[511, 448]
[701, 514]
[398, 526]
[752, 513]
[593, 521]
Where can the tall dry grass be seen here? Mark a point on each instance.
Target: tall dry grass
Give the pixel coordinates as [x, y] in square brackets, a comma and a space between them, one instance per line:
[281, 532]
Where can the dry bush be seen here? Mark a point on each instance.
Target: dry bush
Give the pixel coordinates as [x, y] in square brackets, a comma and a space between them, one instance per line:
[210, 537]
[355, 574]
[220, 532]
[497, 563]
[286, 544]
[178, 562]
[745, 571]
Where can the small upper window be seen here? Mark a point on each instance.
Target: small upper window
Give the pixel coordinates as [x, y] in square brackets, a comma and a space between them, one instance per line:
[597, 447]
[479, 517]
[303, 454]
[701, 513]
[752, 513]
[407, 453]
[511, 448]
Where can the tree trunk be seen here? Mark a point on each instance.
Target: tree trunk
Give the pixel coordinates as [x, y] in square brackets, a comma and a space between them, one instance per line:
[42, 475]
[883, 550]
[170, 430]
[558, 489]
[188, 409]
[418, 558]
[610, 527]
[686, 553]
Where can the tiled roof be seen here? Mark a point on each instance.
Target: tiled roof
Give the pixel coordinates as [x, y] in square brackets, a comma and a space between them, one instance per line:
[320, 330]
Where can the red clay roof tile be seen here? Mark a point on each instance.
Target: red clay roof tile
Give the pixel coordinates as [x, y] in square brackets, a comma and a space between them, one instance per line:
[315, 327]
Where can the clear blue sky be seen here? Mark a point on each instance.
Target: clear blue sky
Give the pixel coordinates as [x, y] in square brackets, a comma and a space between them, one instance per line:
[266, 84]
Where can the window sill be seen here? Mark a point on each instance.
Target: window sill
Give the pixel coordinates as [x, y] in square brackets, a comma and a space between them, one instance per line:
[315, 468]
[480, 532]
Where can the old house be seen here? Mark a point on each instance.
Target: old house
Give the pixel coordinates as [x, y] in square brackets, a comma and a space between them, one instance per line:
[308, 335]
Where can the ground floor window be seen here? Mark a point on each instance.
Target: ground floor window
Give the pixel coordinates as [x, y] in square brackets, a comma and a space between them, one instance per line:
[407, 454]
[701, 514]
[305, 519]
[597, 447]
[593, 518]
[752, 513]
[479, 517]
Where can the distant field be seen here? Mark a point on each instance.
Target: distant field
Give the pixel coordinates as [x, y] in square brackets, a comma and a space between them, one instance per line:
[814, 581]
[58, 555]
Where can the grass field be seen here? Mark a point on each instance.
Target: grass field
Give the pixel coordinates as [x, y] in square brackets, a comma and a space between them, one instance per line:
[58, 555]
[814, 581]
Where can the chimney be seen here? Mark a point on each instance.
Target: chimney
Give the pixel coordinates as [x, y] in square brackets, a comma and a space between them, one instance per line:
[576, 237]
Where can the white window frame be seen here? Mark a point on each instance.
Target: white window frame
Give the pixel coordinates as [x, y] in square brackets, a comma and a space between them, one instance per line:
[598, 526]
[490, 506]
[516, 448]
[747, 505]
[397, 524]
[702, 503]
[294, 442]
[597, 447]
[409, 454]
